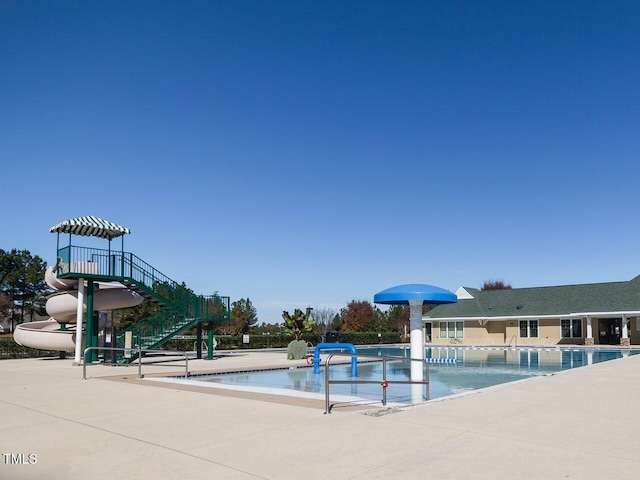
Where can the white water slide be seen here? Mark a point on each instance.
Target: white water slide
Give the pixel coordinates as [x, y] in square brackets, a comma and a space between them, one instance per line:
[63, 308]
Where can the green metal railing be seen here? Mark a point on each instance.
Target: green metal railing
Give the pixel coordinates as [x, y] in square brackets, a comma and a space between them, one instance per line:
[96, 263]
[152, 331]
[182, 309]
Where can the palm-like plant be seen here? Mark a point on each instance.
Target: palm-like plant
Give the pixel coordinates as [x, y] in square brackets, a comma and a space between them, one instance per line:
[298, 323]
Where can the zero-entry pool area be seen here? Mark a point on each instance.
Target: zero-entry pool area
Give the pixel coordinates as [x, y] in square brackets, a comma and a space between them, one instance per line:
[451, 371]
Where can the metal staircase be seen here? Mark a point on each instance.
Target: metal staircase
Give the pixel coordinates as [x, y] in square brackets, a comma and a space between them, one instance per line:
[181, 308]
[154, 330]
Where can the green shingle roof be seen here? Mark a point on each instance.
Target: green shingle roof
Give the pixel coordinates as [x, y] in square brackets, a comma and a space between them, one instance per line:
[558, 300]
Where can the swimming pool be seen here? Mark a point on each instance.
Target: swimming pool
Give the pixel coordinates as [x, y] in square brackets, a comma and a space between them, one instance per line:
[474, 368]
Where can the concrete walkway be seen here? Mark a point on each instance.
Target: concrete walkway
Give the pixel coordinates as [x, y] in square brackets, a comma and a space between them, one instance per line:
[578, 424]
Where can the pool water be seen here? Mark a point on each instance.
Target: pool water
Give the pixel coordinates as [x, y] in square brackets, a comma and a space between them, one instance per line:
[474, 368]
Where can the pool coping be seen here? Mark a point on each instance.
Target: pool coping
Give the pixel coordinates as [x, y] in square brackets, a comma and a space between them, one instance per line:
[311, 401]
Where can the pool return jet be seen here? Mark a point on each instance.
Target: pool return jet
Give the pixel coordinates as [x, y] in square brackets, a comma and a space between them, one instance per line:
[415, 295]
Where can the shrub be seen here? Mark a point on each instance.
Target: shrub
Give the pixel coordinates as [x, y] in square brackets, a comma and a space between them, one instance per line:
[10, 349]
[296, 350]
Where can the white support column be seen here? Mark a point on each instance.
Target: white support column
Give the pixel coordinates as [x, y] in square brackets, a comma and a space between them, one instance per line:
[624, 341]
[80, 315]
[589, 339]
[417, 349]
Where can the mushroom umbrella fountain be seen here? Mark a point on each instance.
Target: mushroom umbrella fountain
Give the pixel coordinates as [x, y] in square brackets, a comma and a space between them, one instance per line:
[415, 295]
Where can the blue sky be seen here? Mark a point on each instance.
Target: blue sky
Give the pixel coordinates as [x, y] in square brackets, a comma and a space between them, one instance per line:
[311, 153]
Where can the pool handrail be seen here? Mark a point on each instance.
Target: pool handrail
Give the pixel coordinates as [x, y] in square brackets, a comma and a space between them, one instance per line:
[384, 383]
[139, 352]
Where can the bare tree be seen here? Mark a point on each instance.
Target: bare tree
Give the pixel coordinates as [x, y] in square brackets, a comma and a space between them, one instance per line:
[323, 317]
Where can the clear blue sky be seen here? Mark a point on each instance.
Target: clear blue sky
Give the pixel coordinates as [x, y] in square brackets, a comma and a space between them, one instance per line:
[310, 153]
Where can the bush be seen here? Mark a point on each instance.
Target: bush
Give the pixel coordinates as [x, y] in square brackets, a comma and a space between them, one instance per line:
[10, 349]
[297, 350]
[257, 341]
[231, 342]
[369, 338]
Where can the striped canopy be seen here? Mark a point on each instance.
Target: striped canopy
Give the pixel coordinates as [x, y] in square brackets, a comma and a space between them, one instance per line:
[90, 227]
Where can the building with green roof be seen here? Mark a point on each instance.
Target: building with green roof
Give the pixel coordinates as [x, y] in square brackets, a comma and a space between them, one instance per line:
[589, 314]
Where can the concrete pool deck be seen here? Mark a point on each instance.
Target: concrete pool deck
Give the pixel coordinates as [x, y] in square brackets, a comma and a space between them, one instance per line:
[577, 424]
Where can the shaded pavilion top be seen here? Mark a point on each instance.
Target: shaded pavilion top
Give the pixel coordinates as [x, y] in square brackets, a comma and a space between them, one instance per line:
[90, 226]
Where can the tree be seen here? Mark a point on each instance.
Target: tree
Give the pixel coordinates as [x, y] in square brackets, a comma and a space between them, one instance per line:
[298, 323]
[358, 316]
[267, 328]
[398, 317]
[495, 285]
[215, 307]
[323, 317]
[175, 293]
[338, 321]
[242, 317]
[5, 306]
[380, 321]
[129, 316]
[38, 304]
[22, 279]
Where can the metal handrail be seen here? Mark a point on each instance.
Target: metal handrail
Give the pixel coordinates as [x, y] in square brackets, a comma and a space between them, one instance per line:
[138, 351]
[123, 266]
[384, 383]
[183, 307]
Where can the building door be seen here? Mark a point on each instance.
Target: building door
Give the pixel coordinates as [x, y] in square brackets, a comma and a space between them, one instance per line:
[427, 332]
[610, 331]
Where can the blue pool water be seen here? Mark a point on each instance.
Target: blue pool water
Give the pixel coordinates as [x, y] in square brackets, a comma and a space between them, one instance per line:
[474, 368]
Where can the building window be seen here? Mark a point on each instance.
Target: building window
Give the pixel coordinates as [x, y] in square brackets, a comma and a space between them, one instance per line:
[528, 328]
[571, 328]
[451, 329]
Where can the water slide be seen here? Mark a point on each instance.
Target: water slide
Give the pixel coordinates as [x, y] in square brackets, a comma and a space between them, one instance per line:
[58, 333]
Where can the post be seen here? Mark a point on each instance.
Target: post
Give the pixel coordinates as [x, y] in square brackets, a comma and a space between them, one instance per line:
[417, 348]
[384, 382]
[327, 408]
[90, 333]
[112, 339]
[210, 346]
[199, 341]
[79, 314]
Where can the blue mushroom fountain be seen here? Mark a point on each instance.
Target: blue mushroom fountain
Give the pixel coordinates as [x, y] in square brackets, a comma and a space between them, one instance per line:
[415, 295]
